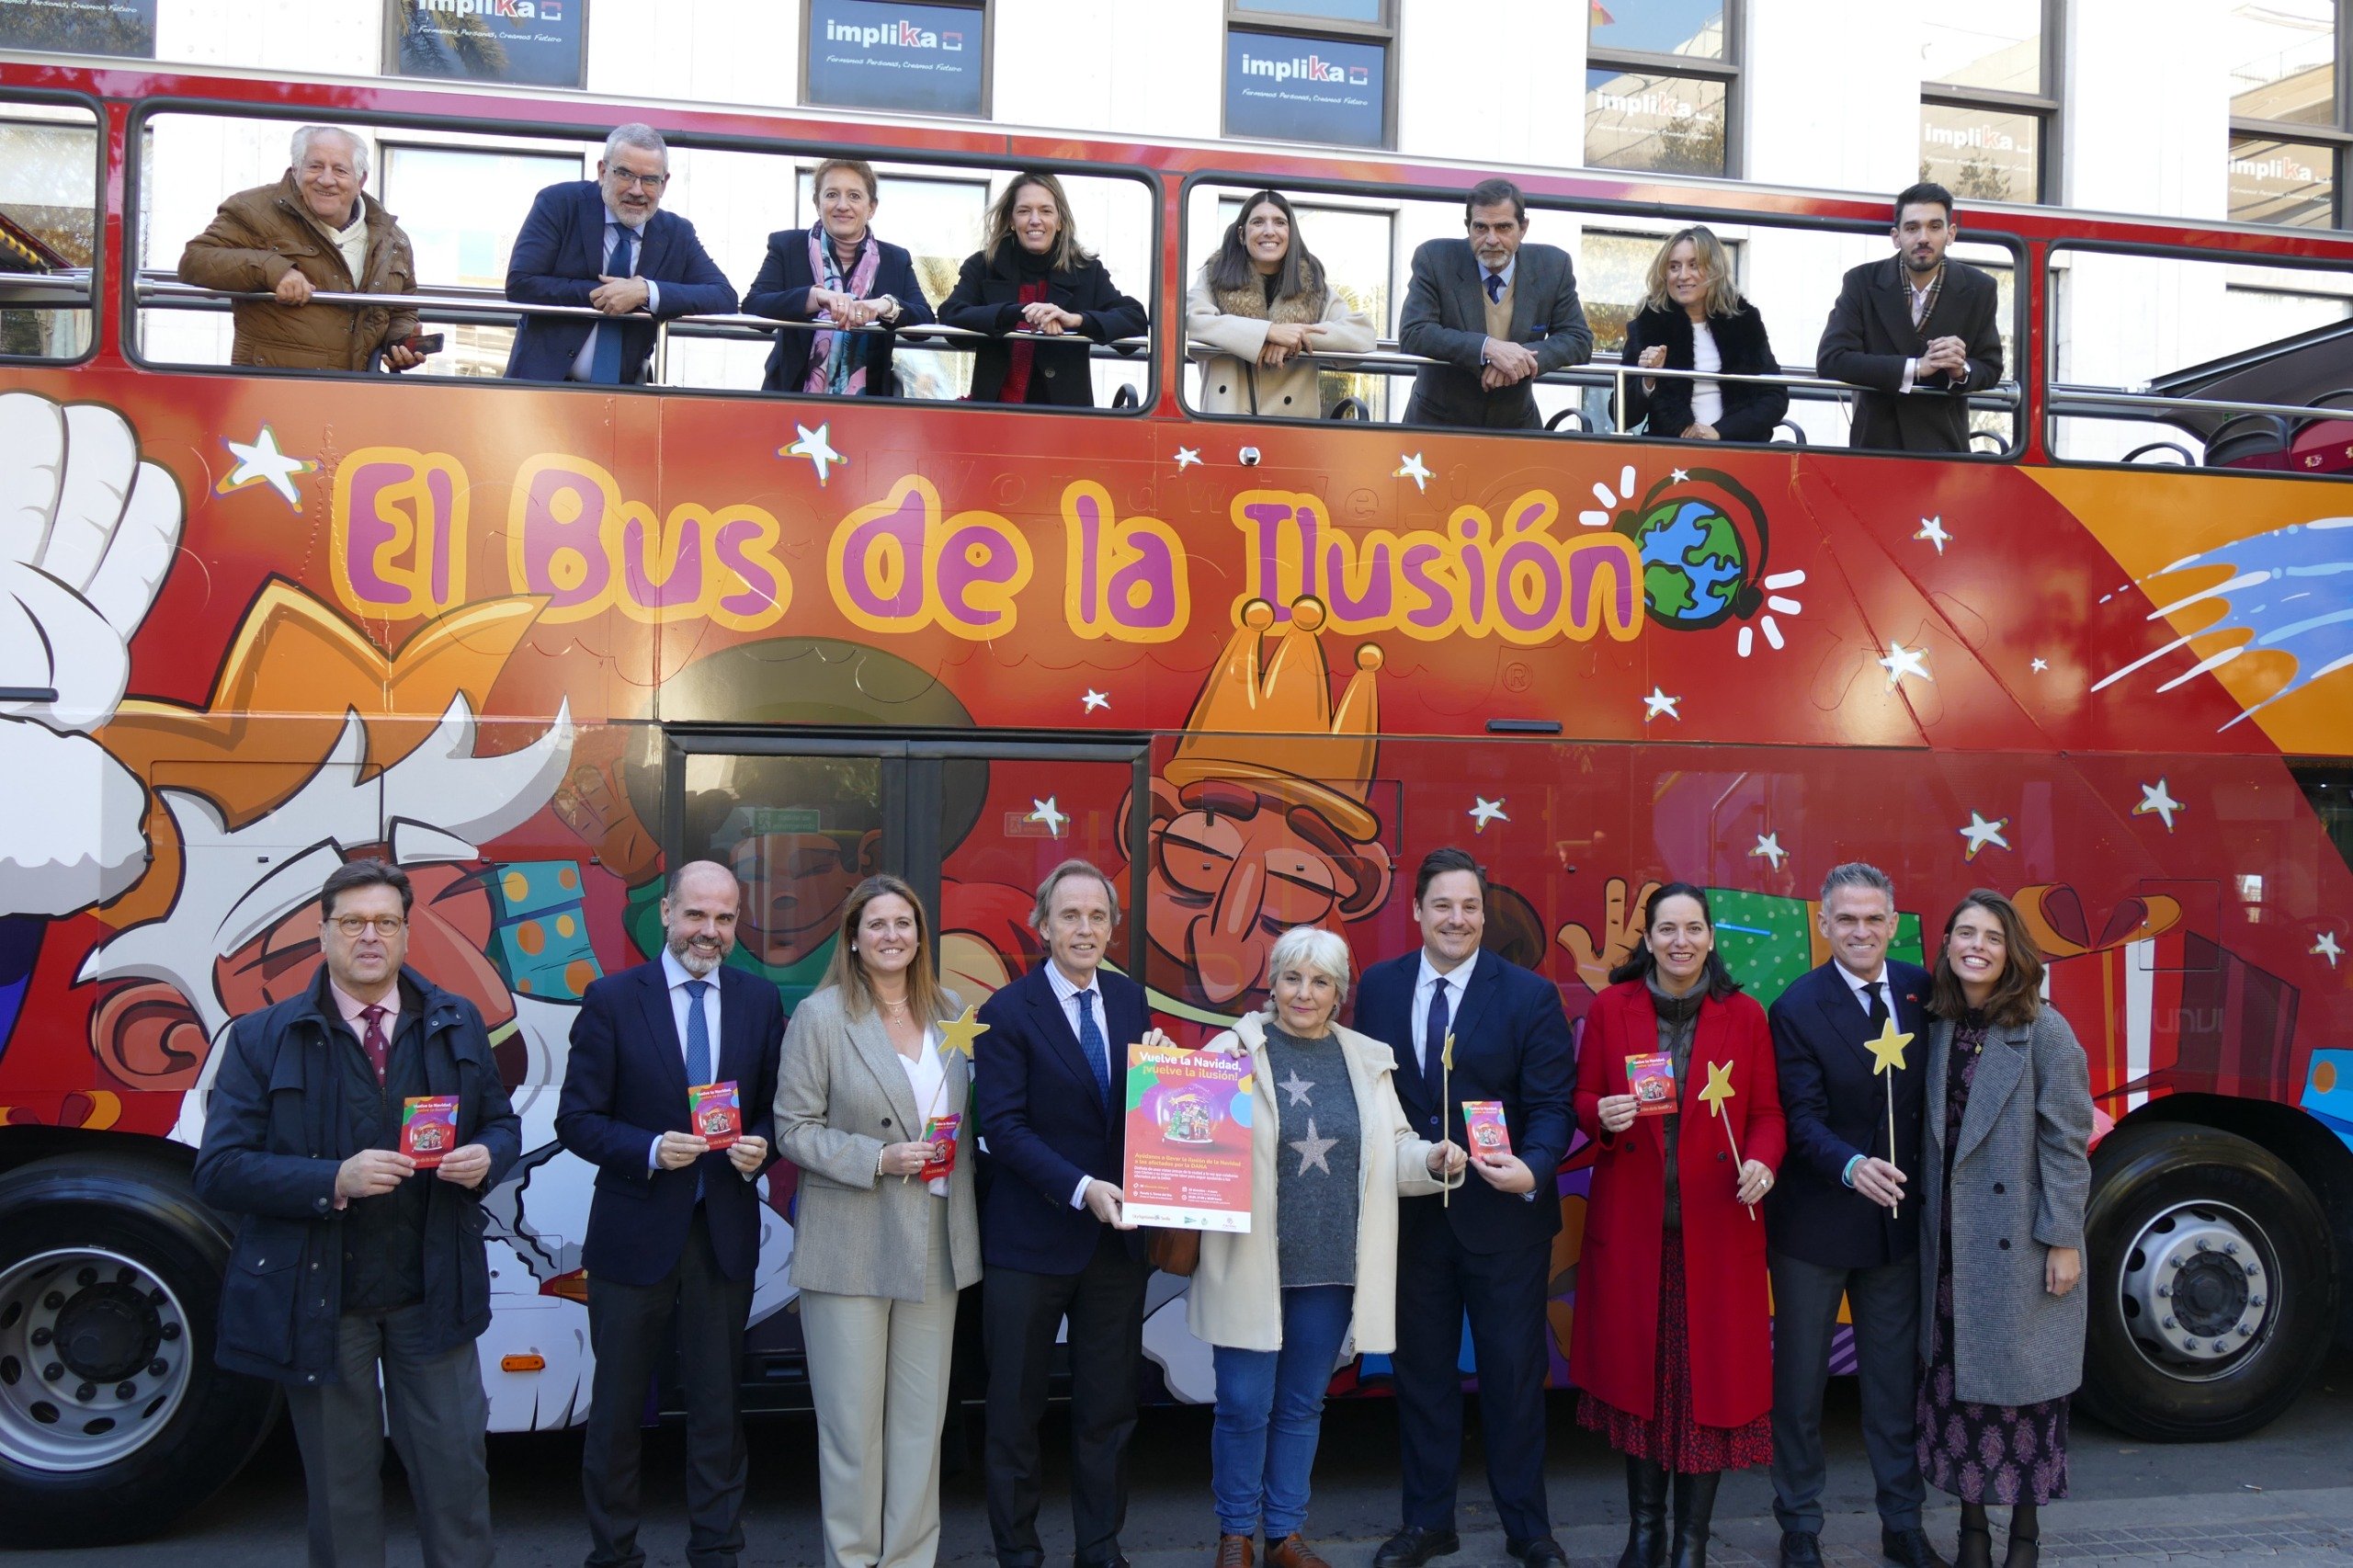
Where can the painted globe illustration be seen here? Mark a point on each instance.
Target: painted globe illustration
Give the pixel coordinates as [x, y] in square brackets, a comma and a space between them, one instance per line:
[1694, 562]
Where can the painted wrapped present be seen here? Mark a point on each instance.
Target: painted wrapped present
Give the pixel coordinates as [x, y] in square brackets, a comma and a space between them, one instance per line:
[1767, 940]
[2118, 986]
[540, 940]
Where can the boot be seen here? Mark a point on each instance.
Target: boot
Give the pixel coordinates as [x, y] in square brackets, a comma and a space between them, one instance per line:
[1976, 1547]
[2025, 1538]
[1645, 1515]
[1232, 1551]
[1695, 1510]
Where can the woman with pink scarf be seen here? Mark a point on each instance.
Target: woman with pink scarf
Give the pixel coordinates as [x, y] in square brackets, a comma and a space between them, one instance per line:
[838, 275]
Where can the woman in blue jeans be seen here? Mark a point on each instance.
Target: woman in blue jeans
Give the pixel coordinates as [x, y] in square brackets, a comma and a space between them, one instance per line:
[1330, 1153]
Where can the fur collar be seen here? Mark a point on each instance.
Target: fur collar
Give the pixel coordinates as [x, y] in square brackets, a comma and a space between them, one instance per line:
[1251, 301]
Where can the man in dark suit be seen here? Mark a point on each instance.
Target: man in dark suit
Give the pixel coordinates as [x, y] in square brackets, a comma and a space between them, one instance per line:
[1837, 1222]
[674, 1233]
[606, 242]
[1494, 311]
[1049, 1080]
[1918, 331]
[1488, 1249]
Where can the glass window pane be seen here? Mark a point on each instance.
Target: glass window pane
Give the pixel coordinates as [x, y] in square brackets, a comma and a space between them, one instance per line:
[1354, 246]
[459, 208]
[1665, 124]
[2282, 182]
[1993, 43]
[1981, 154]
[1337, 10]
[1282, 88]
[2282, 56]
[49, 181]
[1692, 27]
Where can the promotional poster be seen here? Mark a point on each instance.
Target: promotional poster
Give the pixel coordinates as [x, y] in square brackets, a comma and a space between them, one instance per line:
[1188, 1139]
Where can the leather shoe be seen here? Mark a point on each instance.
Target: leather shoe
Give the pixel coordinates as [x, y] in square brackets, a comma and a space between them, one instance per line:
[1909, 1548]
[1114, 1561]
[1293, 1551]
[1542, 1552]
[1232, 1551]
[1413, 1546]
[1801, 1548]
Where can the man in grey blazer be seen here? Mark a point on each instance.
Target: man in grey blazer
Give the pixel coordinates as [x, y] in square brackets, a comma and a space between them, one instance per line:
[1494, 311]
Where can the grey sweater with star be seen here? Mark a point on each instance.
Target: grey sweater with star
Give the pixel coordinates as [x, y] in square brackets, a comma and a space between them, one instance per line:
[1320, 1152]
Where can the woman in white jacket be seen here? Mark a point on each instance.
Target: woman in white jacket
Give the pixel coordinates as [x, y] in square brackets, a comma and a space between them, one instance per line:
[1278, 1303]
[1265, 301]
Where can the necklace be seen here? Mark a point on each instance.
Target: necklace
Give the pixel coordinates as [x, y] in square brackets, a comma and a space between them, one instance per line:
[898, 1008]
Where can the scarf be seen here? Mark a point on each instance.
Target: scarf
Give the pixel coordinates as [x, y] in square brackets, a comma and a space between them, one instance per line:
[837, 359]
[1035, 273]
[1250, 299]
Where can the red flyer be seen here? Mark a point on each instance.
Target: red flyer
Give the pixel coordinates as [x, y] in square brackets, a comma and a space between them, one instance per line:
[717, 1113]
[1482, 1123]
[939, 1131]
[428, 1128]
[1188, 1139]
[1651, 1080]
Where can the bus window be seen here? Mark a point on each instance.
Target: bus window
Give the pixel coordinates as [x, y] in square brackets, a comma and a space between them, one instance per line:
[2329, 787]
[458, 206]
[49, 186]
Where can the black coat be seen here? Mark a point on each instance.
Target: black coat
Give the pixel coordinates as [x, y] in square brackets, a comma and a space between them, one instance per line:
[781, 290]
[1751, 409]
[276, 1132]
[1870, 334]
[987, 298]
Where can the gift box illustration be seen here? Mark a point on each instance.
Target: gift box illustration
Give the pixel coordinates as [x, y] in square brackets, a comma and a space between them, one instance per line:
[540, 940]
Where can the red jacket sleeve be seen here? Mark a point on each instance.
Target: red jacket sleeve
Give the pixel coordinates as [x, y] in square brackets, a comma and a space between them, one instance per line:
[1596, 1053]
[1769, 1131]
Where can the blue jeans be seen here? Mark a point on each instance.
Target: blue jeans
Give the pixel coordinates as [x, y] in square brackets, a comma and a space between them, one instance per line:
[1270, 1411]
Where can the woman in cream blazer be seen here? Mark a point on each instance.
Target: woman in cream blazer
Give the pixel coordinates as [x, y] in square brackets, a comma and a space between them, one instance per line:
[879, 1251]
[1265, 301]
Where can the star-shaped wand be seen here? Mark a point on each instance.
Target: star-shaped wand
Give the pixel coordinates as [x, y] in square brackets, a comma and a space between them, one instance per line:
[1718, 1090]
[956, 1037]
[1446, 1112]
[1887, 1058]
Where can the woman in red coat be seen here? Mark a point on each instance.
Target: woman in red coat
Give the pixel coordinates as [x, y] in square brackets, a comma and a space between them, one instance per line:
[1673, 1346]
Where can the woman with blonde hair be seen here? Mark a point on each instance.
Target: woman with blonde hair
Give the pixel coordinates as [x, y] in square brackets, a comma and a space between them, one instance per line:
[2009, 1123]
[1693, 318]
[1031, 275]
[1330, 1152]
[885, 1234]
[1265, 299]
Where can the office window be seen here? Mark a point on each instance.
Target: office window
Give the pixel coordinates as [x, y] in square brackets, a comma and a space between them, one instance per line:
[1660, 75]
[1989, 110]
[917, 59]
[1312, 71]
[2288, 123]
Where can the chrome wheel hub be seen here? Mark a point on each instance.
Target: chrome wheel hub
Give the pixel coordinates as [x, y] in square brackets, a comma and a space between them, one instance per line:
[2195, 1289]
[94, 1357]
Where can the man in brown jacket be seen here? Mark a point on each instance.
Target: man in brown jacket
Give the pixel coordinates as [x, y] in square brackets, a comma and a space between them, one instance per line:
[315, 229]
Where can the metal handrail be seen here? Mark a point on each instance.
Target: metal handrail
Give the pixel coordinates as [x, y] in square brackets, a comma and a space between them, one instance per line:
[2073, 399]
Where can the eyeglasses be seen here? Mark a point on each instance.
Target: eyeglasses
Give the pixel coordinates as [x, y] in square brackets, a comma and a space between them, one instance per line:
[623, 179]
[385, 925]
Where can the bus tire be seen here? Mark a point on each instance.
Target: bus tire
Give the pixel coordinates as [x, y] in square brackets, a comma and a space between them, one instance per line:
[114, 1420]
[2213, 1284]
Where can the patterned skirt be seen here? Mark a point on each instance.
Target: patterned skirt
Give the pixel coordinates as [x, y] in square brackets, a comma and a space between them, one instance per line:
[1985, 1453]
[1674, 1437]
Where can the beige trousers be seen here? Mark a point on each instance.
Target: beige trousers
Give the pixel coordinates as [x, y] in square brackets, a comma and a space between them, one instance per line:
[878, 1374]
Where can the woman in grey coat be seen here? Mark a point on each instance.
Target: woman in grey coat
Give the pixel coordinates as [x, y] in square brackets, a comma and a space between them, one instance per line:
[2003, 1195]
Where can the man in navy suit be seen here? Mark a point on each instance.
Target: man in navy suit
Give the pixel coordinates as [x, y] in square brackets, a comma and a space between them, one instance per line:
[674, 1235]
[1488, 1249]
[606, 242]
[1836, 1223]
[1048, 1079]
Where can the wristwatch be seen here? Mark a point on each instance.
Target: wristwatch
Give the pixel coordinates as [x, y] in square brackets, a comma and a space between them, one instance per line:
[893, 300]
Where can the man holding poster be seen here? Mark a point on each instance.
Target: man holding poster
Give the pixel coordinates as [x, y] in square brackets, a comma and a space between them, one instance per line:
[1054, 1241]
[1486, 1248]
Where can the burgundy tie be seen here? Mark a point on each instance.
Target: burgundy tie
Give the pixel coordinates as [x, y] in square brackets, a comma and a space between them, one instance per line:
[376, 1046]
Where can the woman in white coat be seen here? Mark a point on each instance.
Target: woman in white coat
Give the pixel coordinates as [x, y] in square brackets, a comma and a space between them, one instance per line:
[1330, 1151]
[1265, 301]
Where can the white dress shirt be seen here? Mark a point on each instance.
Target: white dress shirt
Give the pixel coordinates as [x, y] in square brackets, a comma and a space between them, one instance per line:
[926, 1077]
[1862, 993]
[622, 263]
[1068, 995]
[675, 975]
[1458, 984]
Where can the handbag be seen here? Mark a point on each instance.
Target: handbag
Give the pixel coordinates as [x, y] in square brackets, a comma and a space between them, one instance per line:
[1173, 1251]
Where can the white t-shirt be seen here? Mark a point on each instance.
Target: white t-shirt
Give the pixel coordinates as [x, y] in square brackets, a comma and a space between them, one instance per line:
[925, 1076]
[1707, 397]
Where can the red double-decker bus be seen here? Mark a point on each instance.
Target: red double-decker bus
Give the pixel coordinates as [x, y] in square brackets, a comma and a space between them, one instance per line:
[534, 643]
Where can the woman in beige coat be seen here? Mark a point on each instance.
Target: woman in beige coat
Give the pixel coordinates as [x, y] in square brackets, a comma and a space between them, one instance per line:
[1278, 1303]
[1263, 301]
[884, 1236]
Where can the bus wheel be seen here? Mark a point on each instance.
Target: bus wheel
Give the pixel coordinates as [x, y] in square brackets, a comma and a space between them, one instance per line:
[113, 1419]
[2213, 1298]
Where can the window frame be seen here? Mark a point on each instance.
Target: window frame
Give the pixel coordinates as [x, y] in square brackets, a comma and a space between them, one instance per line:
[1269, 23]
[2045, 108]
[988, 67]
[2336, 135]
[97, 110]
[1153, 360]
[1729, 71]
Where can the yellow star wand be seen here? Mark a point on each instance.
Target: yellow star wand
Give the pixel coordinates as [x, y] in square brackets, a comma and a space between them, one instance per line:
[1887, 1058]
[1718, 1090]
[956, 1037]
[1446, 1112]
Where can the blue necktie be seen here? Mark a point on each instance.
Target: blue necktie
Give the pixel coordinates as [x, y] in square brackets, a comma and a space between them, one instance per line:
[1090, 1042]
[1494, 287]
[698, 1051]
[605, 361]
[1434, 1028]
